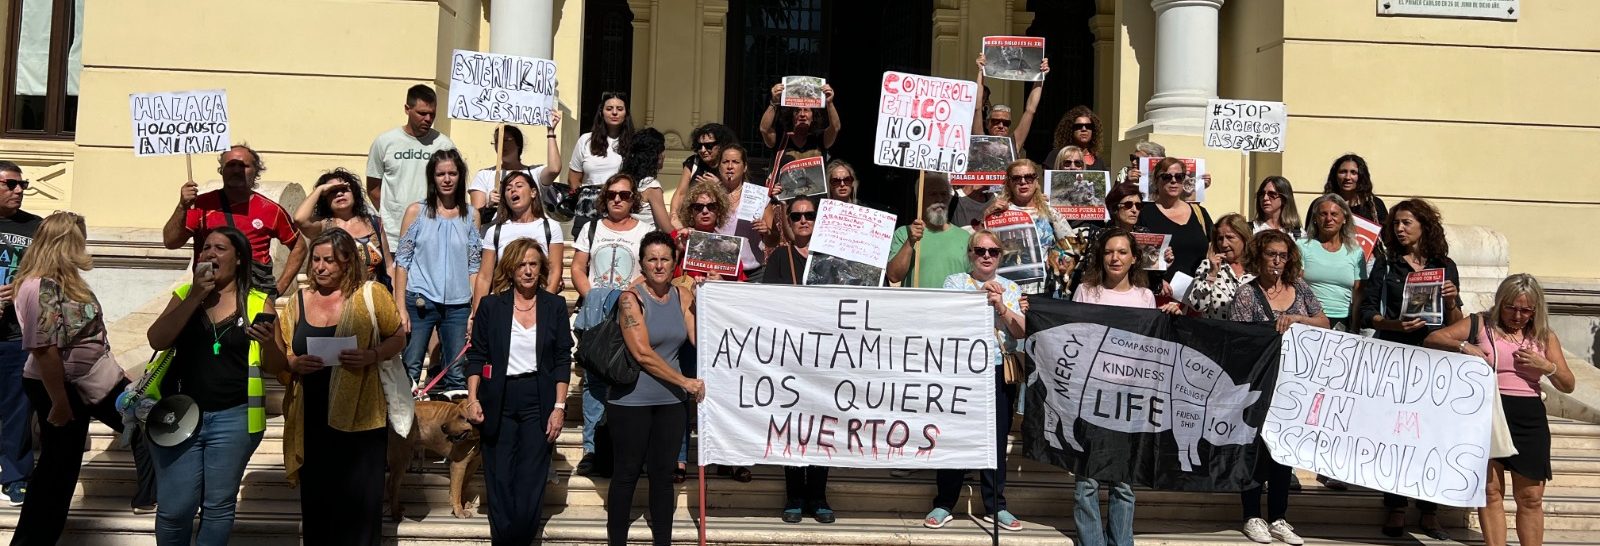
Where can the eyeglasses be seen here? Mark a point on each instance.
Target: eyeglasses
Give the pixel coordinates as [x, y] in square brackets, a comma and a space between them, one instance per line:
[1168, 178]
[1071, 163]
[990, 251]
[13, 183]
[704, 145]
[623, 195]
[1023, 178]
[842, 181]
[1082, 127]
[1128, 205]
[1271, 195]
[704, 207]
[1514, 310]
[807, 216]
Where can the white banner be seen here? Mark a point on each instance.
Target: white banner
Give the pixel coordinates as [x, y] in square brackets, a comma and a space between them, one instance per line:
[501, 88]
[1246, 125]
[1383, 415]
[846, 377]
[182, 122]
[853, 232]
[923, 122]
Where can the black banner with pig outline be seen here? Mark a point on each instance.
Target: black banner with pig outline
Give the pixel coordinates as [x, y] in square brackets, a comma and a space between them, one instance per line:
[1138, 396]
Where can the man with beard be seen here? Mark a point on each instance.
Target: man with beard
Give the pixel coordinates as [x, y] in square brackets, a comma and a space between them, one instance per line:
[237, 205]
[16, 434]
[944, 245]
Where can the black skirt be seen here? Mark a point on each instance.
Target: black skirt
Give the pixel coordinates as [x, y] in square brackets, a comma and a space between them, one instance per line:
[1530, 433]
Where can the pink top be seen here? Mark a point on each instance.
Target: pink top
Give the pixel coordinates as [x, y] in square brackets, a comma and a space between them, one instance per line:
[1135, 297]
[1514, 380]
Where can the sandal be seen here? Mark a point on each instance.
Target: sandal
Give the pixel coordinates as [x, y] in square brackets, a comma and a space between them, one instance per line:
[1007, 521]
[1395, 530]
[937, 518]
[742, 474]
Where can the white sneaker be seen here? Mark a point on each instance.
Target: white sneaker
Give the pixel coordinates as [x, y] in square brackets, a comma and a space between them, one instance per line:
[1282, 531]
[1256, 530]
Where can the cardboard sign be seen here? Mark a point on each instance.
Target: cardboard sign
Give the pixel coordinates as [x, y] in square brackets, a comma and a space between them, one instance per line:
[1383, 415]
[1194, 188]
[712, 253]
[923, 122]
[1078, 195]
[846, 377]
[182, 122]
[501, 88]
[849, 246]
[1013, 58]
[1246, 125]
[987, 158]
[803, 92]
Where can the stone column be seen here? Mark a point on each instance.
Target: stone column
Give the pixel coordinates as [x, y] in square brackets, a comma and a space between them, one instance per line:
[521, 27]
[1186, 66]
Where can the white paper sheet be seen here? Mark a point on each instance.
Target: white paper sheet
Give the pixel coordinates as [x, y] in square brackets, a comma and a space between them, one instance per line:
[328, 348]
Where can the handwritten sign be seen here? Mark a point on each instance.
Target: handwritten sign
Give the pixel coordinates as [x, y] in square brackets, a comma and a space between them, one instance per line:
[501, 88]
[183, 122]
[1246, 125]
[923, 122]
[1383, 415]
[846, 377]
[1504, 10]
[853, 232]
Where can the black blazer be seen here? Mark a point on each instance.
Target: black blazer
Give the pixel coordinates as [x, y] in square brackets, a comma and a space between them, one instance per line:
[491, 348]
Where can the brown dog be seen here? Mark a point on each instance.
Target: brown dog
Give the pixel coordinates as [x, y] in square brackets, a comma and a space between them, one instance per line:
[439, 430]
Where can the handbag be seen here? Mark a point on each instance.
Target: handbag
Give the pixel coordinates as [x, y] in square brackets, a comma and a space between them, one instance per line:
[603, 353]
[1500, 443]
[1011, 366]
[103, 376]
[392, 373]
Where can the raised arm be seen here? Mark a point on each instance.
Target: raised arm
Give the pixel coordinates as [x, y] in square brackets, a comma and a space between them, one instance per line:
[175, 233]
[769, 133]
[830, 134]
[1019, 134]
[977, 113]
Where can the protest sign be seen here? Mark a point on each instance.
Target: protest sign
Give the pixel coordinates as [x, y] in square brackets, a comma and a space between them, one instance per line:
[1194, 188]
[803, 92]
[1021, 258]
[501, 88]
[1503, 10]
[987, 158]
[1078, 195]
[753, 202]
[849, 245]
[712, 253]
[923, 122]
[1423, 296]
[1246, 125]
[1139, 396]
[802, 177]
[1153, 250]
[1383, 415]
[846, 377]
[182, 122]
[1013, 58]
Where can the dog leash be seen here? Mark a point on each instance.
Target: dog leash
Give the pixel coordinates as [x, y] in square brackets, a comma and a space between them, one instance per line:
[419, 393]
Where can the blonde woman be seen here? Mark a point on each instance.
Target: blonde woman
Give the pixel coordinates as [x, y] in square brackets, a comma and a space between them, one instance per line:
[70, 378]
[1515, 337]
[1023, 192]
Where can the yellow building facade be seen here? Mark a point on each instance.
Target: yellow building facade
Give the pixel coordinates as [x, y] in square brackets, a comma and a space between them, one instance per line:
[1482, 117]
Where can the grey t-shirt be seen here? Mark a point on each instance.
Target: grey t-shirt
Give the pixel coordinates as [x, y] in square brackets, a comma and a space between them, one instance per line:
[667, 336]
[401, 161]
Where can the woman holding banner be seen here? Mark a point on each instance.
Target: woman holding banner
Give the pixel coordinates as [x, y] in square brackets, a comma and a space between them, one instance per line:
[1413, 241]
[1279, 295]
[1350, 179]
[483, 192]
[1275, 208]
[1515, 338]
[1023, 192]
[983, 250]
[648, 418]
[1217, 282]
[795, 132]
[708, 207]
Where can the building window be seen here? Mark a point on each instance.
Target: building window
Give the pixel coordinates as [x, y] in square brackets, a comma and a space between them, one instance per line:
[767, 40]
[44, 58]
[607, 55]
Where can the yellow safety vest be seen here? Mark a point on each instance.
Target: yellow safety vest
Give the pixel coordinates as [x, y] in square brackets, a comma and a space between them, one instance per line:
[255, 390]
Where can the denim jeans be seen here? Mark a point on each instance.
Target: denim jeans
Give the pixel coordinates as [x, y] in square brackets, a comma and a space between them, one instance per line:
[203, 472]
[16, 424]
[451, 323]
[594, 409]
[1086, 514]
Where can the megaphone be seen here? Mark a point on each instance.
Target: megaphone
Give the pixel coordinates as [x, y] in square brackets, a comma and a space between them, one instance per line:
[173, 420]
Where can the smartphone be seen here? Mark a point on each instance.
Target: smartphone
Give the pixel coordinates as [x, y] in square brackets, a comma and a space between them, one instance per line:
[264, 318]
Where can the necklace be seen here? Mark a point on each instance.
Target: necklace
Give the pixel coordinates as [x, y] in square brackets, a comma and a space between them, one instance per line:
[216, 338]
[531, 304]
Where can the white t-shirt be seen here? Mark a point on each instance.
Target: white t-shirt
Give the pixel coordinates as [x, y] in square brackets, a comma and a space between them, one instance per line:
[524, 355]
[614, 256]
[595, 169]
[401, 161]
[646, 213]
[484, 180]
[544, 231]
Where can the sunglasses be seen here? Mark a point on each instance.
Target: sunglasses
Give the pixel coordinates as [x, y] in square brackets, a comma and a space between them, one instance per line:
[1005, 122]
[1271, 195]
[1023, 178]
[705, 145]
[623, 195]
[704, 207]
[990, 251]
[842, 181]
[1133, 158]
[1128, 205]
[1071, 163]
[1170, 178]
[1082, 127]
[807, 216]
[14, 183]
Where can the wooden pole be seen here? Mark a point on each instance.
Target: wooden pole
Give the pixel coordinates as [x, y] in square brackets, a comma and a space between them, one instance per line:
[188, 163]
[916, 252]
[499, 148]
